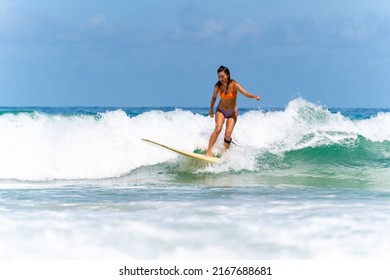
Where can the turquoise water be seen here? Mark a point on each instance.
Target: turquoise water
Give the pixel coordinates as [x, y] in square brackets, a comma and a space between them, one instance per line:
[303, 182]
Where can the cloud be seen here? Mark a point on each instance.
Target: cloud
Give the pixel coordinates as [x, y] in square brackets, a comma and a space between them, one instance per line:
[196, 27]
[331, 33]
[248, 29]
[5, 8]
[209, 29]
[97, 22]
[22, 26]
[288, 31]
[11, 16]
[96, 29]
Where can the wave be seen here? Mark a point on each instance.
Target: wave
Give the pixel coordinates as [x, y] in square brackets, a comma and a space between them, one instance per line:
[38, 146]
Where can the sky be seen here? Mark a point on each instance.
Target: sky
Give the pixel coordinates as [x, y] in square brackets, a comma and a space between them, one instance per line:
[156, 53]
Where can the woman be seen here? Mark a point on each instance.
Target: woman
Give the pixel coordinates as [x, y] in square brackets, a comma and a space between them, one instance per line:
[227, 107]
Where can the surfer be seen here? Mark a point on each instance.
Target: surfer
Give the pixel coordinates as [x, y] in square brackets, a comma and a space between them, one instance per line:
[227, 89]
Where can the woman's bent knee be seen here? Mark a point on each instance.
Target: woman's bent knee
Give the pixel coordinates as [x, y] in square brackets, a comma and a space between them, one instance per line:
[217, 129]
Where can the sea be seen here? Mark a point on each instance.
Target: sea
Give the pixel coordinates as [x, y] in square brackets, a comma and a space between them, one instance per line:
[303, 182]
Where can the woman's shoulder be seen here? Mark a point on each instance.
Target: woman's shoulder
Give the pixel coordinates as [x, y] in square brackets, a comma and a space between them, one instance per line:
[235, 84]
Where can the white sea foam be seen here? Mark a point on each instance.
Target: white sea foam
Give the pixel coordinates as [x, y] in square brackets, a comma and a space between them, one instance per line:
[46, 147]
[225, 225]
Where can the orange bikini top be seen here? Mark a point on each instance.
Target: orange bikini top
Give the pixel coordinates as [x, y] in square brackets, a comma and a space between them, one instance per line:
[230, 94]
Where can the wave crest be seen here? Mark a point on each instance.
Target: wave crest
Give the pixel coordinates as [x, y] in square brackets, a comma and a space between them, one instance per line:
[39, 146]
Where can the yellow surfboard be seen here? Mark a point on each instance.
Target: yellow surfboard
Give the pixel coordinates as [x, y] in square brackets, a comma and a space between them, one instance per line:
[184, 153]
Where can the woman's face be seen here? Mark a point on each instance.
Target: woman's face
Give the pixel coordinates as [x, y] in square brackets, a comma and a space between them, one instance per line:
[222, 77]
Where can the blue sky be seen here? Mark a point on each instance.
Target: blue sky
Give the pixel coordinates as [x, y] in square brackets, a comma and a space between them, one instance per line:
[165, 53]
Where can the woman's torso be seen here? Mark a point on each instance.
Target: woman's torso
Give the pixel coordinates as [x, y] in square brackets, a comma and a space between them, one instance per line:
[228, 97]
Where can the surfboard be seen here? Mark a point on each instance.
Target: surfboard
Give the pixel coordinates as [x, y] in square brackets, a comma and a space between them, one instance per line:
[185, 153]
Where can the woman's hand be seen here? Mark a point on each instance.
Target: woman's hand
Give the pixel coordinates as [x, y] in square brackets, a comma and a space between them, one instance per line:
[211, 113]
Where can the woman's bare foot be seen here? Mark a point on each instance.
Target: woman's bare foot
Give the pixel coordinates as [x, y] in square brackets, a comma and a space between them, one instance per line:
[209, 154]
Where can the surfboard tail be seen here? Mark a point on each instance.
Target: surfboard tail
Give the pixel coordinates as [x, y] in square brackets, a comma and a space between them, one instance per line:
[185, 153]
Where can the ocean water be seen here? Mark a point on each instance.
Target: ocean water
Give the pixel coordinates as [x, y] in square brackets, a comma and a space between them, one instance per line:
[303, 182]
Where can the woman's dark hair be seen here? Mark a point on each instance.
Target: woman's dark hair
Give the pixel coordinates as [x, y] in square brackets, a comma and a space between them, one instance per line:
[224, 69]
[227, 72]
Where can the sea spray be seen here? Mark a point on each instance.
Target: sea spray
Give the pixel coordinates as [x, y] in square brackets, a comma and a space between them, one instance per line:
[37, 146]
